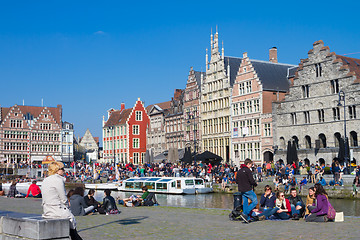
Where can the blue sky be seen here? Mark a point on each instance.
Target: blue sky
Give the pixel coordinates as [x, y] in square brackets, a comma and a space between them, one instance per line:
[90, 56]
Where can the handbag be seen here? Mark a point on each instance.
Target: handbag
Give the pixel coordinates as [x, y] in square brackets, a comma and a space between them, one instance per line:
[331, 211]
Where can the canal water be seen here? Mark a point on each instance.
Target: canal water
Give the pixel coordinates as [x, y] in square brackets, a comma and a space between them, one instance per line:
[224, 201]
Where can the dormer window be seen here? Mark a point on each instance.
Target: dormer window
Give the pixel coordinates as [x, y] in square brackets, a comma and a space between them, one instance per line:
[318, 69]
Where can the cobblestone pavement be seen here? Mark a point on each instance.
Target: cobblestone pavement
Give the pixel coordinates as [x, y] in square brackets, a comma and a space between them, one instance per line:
[187, 223]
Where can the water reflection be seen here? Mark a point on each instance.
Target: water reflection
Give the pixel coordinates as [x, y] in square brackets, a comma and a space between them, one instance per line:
[223, 201]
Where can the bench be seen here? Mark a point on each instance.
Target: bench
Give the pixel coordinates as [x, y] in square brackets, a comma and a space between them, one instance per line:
[14, 225]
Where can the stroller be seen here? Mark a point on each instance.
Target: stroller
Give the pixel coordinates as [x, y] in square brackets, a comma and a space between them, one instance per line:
[238, 208]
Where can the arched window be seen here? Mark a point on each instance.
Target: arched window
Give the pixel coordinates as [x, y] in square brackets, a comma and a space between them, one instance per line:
[322, 139]
[337, 137]
[321, 161]
[307, 141]
[282, 143]
[353, 139]
[296, 141]
[307, 162]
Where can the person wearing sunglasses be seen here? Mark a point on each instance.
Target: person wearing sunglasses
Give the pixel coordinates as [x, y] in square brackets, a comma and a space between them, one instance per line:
[282, 209]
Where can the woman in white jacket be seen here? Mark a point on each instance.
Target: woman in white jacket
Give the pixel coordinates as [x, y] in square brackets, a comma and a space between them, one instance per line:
[54, 200]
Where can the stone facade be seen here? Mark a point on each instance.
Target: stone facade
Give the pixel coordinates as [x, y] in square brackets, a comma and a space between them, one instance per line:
[310, 115]
[257, 84]
[89, 145]
[156, 143]
[174, 121]
[192, 129]
[67, 142]
[215, 100]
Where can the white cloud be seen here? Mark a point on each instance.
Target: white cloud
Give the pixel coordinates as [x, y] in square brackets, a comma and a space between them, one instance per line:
[99, 33]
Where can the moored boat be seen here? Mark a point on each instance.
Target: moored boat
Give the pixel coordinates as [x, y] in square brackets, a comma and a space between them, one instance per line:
[165, 185]
[102, 186]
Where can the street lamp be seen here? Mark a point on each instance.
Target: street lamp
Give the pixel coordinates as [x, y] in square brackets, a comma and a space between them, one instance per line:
[113, 133]
[342, 99]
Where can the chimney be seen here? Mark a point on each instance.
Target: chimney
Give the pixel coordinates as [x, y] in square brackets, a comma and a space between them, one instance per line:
[273, 55]
[122, 106]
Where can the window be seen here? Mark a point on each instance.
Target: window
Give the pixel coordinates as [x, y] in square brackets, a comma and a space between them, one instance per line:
[305, 91]
[235, 109]
[318, 69]
[248, 87]
[308, 141]
[257, 150]
[353, 139]
[307, 116]
[138, 115]
[321, 115]
[136, 158]
[142, 160]
[249, 107]
[267, 129]
[334, 86]
[242, 108]
[352, 112]
[136, 143]
[249, 150]
[242, 88]
[257, 126]
[16, 123]
[293, 119]
[136, 129]
[336, 114]
[256, 105]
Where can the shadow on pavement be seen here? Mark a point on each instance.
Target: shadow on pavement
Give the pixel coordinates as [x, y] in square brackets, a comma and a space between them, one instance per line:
[126, 221]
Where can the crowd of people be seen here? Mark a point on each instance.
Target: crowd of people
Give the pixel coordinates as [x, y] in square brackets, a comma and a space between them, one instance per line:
[275, 205]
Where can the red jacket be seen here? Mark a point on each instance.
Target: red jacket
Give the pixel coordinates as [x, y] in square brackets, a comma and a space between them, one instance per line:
[34, 189]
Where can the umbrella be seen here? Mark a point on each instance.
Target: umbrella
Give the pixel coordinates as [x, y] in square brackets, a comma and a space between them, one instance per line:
[294, 155]
[341, 153]
[288, 153]
[187, 156]
[208, 157]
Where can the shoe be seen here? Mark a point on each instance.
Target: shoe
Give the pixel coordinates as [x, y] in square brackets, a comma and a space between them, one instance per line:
[262, 218]
[296, 217]
[244, 218]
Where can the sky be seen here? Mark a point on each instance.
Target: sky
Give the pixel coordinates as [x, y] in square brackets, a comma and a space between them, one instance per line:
[90, 56]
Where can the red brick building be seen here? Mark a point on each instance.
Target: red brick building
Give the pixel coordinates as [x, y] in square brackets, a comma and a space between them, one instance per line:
[29, 133]
[124, 134]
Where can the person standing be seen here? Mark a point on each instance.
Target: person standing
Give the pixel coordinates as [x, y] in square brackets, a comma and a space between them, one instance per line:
[246, 183]
[54, 201]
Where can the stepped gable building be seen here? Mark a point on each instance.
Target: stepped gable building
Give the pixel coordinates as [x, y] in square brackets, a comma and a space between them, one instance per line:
[90, 146]
[215, 100]
[156, 142]
[124, 134]
[192, 129]
[30, 134]
[174, 120]
[310, 115]
[257, 85]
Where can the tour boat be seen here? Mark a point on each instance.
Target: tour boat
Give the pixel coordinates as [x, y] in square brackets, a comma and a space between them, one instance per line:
[166, 185]
[102, 186]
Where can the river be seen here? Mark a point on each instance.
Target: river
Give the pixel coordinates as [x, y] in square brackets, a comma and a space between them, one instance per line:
[224, 201]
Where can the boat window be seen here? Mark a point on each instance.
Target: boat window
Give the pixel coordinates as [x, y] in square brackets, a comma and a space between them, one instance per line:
[189, 182]
[178, 184]
[129, 185]
[198, 182]
[153, 179]
[150, 185]
[138, 185]
[161, 186]
[173, 184]
[165, 180]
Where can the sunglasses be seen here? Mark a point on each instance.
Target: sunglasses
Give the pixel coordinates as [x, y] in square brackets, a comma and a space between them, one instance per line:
[282, 195]
[62, 169]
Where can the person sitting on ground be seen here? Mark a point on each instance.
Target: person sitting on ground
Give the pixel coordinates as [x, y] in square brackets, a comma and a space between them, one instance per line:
[136, 200]
[282, 209]
[90, 201]
[322, 181]
[319, 213]
[12, 190]
[109, 204]
[296, 203]
[267, 199]
[34, 191]
[302, 183]
[310, 201]
[78, 205]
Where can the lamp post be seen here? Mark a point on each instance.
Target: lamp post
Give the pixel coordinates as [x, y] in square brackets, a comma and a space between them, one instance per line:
[342, 99]
[113, 133]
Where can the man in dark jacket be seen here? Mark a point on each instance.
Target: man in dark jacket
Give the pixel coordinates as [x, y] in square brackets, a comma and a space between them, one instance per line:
[246, 183]
[296, 203]
[267, 199]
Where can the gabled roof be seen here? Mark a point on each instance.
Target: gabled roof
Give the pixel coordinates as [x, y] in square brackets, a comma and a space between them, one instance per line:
[272, 75]
[353, 64]
[198, 78]
[35, 112]
[118, 117]
[234, 67]
[162, 107]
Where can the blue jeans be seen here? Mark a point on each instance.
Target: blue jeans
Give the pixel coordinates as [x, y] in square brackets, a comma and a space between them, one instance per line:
[293, 208]
[268, 212]
[246, 206]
